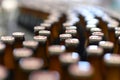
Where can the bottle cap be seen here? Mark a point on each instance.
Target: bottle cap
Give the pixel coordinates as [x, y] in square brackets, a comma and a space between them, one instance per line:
[22, 53]
[73, 32]
[112, 59]
[95, 29]
[71, 28]
[56, 49]
[106, 44]
[31, 63]
[81, 69]
[72, 42]
[44, 75]
[38, 28]
[98, 34]
[44, 33]
[18, 34]
[30, 44]
[7, 39]
[94, 50]
[93, 38]
[65, 36]
[69, 58]
[42, 39]
[3, 73]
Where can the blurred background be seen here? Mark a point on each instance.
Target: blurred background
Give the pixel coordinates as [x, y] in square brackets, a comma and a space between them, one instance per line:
[11, 16]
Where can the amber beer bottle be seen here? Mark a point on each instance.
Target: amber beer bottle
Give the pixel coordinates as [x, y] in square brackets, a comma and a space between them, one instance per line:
[66, 60]
[19, 38]
[19, 53]
[8, 57]
[37, 29]
[44, 75]
[42, 49]
[81, 70]
[112, 66]
[2, 52]
[4, 73]
[54, 52]
[28, 65]
[94, 56]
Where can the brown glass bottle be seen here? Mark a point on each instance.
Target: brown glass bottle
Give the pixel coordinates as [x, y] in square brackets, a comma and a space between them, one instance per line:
[54, 52]
[19, 38]
[94, 56]
[8, 57]
[81, 70]
[44, 75]
[42, 49]
[66, 60]
[112, 66]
